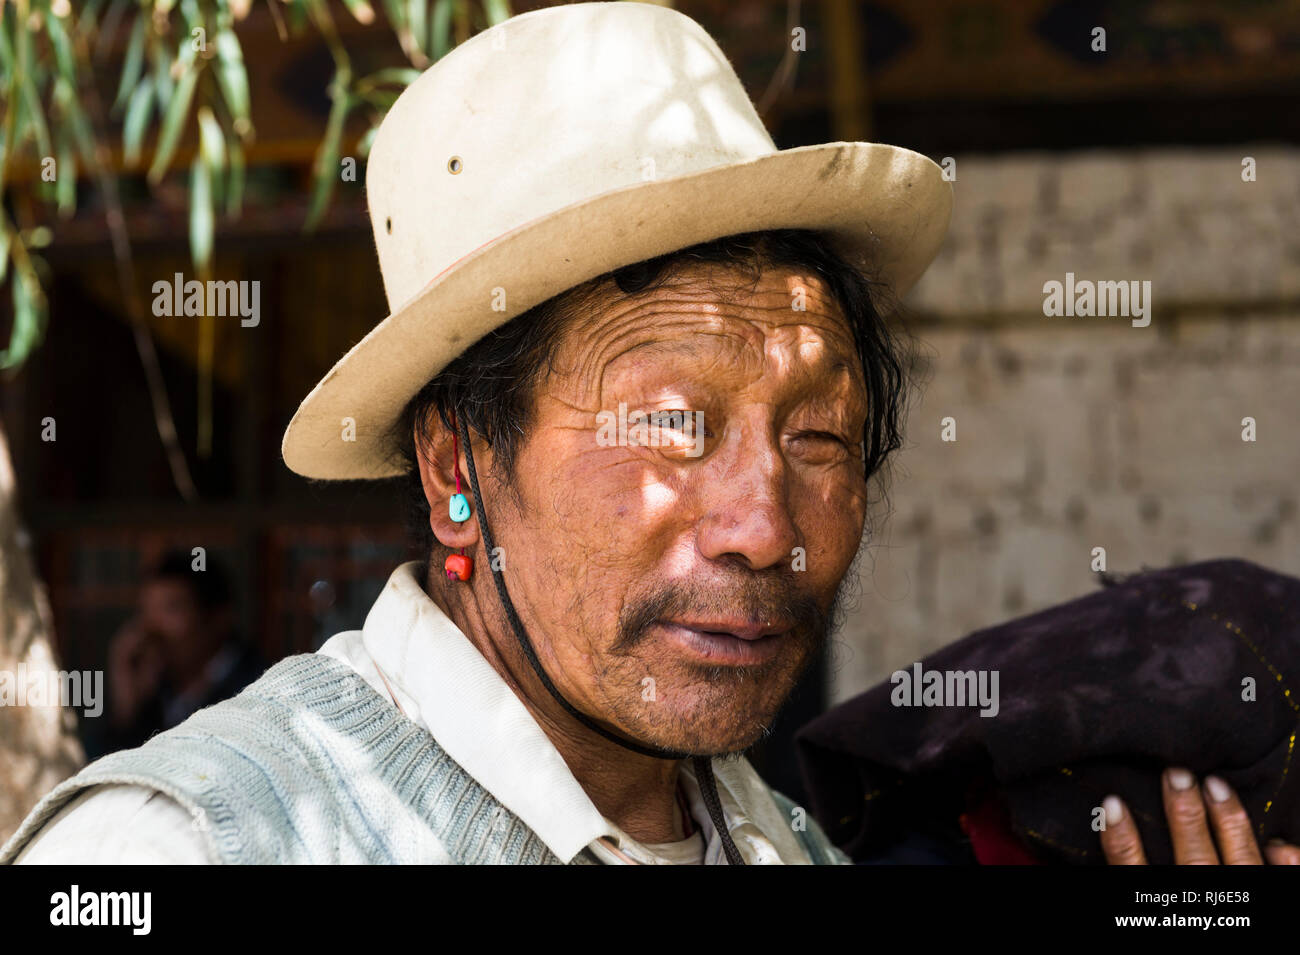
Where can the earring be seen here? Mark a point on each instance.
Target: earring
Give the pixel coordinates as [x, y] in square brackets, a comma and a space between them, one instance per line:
[457, 566]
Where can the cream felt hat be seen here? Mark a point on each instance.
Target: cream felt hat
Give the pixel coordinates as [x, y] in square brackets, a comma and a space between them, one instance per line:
[554, 147]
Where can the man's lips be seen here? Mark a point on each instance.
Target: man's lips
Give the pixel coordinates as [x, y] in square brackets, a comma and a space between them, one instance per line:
[743, 629]
[726, 642]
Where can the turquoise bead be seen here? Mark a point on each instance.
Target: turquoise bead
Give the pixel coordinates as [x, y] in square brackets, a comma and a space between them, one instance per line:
[459, 508]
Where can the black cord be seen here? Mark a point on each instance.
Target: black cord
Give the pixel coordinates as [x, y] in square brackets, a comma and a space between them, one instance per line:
[518, 627]
[709, 791]
[703, 764]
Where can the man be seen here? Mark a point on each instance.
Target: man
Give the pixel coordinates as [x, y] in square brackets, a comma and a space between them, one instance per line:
[643, 495]
[637, 379]
[178, 654]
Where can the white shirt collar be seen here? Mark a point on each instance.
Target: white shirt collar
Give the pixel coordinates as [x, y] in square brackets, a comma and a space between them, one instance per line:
[444, 684]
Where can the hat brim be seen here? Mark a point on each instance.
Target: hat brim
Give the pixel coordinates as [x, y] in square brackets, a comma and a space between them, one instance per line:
[885, 208]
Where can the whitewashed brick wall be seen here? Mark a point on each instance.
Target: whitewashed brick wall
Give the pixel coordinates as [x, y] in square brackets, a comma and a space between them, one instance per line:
[1074, 433]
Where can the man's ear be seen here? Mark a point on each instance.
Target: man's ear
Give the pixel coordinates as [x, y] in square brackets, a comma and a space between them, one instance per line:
[437, 477]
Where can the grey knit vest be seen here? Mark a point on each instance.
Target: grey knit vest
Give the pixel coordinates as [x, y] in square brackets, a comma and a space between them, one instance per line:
[310, 765]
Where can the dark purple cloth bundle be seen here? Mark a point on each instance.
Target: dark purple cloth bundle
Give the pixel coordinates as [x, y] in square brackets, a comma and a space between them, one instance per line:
[1096, 696]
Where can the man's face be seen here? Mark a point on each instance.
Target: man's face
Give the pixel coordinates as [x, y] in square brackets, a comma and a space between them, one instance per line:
[171, 615]
[676, 588]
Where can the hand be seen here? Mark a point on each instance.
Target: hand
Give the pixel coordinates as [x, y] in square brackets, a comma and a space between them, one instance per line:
[135, 670]
[1186, 808]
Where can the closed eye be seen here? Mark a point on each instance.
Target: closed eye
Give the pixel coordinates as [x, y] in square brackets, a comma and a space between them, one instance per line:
[824, 447]
[824, 435]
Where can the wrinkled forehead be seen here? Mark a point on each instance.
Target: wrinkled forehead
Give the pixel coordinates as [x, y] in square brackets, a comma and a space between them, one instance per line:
[782, 319]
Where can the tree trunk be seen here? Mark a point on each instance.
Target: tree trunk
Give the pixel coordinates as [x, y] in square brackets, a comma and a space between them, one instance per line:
[38, 743]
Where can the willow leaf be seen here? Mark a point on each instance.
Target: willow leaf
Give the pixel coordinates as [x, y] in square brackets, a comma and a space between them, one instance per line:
[496, 10]
[29, 320]
[417, 13]
[366, 141]
[89, 17]
[66, 179]
[396, 10]
[6, 48]
[32, 110]
[75, 120]
[64, 61]
[177, 112]
[212, 149]
[212, 141]
[233, 79]
[326, 171]
[361, 11]
[394, 75]
[440, 29]
[133, 64]
[201, 215]
[138, 111]
[163, 84]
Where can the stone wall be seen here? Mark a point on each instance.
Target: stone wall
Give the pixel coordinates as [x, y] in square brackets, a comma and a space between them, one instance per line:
[1082, 432]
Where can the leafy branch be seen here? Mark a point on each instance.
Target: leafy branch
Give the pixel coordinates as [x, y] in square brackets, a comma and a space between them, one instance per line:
[183, 67]
[182, 70]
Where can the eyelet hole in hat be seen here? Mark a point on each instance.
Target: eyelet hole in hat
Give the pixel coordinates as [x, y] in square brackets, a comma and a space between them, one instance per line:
[454, 165]
[388, 224]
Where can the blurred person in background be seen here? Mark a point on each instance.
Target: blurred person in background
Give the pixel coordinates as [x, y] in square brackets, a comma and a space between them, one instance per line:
[179, 653]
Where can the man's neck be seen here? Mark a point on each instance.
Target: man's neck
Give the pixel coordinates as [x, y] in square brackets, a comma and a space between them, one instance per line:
[637, 793]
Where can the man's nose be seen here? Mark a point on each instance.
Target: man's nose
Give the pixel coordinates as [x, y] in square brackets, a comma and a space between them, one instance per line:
[748, 514]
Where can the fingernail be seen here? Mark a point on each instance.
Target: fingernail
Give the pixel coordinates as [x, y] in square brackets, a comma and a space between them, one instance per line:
[1217, 788]
[1277, 843]
[1180, 779]
[1114, 809]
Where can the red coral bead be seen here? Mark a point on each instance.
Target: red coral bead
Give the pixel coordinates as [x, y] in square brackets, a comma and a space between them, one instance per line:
[459, 566]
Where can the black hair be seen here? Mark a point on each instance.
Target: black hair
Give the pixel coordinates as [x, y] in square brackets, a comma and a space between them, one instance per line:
[491, 385]
[210, 586]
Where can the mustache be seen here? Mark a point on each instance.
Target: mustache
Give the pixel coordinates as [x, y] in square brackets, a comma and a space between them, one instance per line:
[759, 599]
